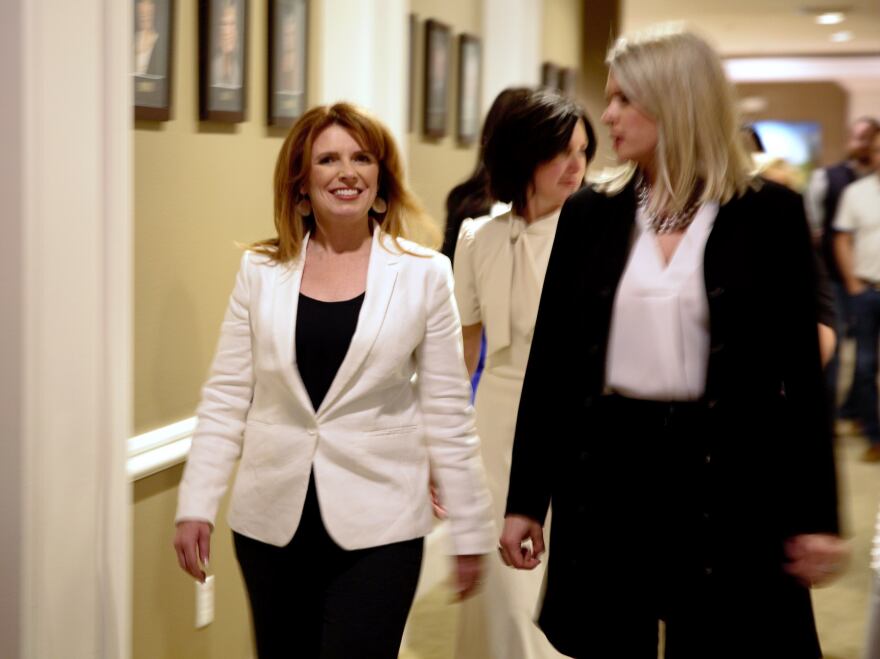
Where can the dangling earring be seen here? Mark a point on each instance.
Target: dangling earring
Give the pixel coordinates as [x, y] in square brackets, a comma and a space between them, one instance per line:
[304, 206]
[379, 206]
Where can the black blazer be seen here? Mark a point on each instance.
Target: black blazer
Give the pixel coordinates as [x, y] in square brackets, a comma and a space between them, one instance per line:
[765, 401]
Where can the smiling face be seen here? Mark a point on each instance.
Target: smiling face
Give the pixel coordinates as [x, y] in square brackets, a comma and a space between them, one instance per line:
[633, 131]
[556, 179]
[343, 178]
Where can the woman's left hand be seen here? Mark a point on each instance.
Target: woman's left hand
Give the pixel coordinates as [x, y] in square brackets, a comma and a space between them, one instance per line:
[816, 559]
[468, 570]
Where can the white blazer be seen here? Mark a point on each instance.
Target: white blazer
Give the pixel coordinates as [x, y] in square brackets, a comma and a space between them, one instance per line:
[398, 408]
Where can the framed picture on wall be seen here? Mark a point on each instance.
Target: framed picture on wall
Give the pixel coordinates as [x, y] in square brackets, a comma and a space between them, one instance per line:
[153, 54]
[222, 59]
[568, 81]
[468, 88]
[550, 76]
[288, 60]
[436, 82]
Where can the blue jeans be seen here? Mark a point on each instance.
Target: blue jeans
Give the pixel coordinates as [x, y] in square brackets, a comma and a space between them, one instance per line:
[843, 328]
[866, 312]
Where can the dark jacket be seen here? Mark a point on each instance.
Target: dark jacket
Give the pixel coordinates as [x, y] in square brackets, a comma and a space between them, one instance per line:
[768, 426]
[839, 177]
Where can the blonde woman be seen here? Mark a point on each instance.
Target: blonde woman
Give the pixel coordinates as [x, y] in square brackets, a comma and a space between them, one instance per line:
[673, 409]
[339, 382]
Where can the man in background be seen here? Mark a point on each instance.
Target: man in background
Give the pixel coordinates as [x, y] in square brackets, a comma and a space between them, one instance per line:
[857, 247]
[821, 200]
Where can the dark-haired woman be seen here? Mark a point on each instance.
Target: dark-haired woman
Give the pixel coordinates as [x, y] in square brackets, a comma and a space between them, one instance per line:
[535, 158]
[471, 198]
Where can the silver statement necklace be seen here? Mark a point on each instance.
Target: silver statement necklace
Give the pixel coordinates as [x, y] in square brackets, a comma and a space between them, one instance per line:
[665, 223]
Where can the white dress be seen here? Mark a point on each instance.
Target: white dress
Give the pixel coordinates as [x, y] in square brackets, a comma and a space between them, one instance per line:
[500, 263]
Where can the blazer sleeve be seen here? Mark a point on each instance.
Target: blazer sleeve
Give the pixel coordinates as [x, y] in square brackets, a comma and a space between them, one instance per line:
[814, 502]
[444, 398]
[226, 399]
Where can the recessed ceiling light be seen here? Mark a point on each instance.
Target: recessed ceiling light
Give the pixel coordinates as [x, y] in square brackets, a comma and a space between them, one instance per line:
[831, 18]
[840, 37]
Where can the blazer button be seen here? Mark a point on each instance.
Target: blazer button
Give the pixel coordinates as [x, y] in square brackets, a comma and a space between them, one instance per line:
[588, 402]
[605, 291]
[716, 292]
[712, 403]
[585, 455]
[707, 571]
[708, 459]
[593, 349]
[718, 347]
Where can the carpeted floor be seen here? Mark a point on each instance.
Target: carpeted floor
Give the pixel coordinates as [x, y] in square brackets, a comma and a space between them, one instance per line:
[841, 609]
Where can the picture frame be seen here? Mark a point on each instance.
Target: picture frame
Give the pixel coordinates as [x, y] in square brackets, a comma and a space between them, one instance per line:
[287, 58]
[438, 49]
[568, 81]
[153, 57]
[550, 76]
[469, 73]
[223, 29]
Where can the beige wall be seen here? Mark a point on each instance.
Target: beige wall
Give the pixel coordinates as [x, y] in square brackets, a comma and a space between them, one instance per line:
[199, 187]
[797, 101]
[437, 165]
[562, 33]
[164, 602]
[601, 24]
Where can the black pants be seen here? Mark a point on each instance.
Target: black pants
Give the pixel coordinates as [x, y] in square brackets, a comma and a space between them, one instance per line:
[668, 539]
[314, 600]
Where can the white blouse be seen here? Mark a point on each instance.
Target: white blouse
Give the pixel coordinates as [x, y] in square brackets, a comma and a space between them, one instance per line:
[659, 342]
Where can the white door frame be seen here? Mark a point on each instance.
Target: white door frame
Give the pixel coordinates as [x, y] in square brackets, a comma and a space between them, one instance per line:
[66, 169]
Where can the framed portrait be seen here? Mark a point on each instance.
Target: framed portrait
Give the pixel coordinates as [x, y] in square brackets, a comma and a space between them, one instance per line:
[568, 81]
[468, 89]
[436, 82]
[153, 54]
[288, 60]
[550, 76]
[222, 59]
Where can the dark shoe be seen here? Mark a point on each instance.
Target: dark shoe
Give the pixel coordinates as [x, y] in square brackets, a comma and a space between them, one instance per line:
[872, 453]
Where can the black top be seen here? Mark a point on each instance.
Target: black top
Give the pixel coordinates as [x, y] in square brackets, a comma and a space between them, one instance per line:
[323, 333]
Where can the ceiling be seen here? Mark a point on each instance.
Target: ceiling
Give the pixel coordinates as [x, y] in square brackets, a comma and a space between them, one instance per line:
[765, 27]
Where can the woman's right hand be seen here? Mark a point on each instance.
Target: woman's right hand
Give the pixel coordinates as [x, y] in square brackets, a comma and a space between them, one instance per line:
[514, 546]
[192, 541]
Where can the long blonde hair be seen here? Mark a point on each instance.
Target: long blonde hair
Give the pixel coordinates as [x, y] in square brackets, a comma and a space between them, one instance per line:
[677, 78]
[404, 218]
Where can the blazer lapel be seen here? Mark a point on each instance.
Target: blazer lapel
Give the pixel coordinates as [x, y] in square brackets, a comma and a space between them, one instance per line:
[381, 278]
[284, 305]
